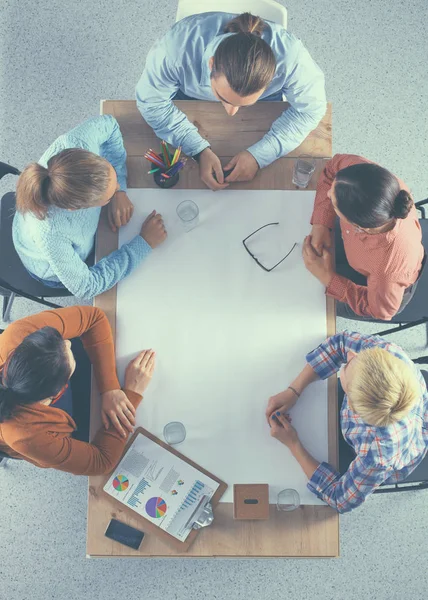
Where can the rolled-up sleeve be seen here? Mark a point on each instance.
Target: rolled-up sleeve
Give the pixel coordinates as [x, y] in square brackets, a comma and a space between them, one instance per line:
[346, 492]
[155, 90]
[305, 91]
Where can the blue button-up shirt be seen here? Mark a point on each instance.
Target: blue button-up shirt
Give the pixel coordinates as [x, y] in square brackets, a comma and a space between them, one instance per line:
[179, 61]
[383, 454]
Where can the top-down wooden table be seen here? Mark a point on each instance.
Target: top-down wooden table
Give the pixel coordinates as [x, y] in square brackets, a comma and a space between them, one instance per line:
[310, 531]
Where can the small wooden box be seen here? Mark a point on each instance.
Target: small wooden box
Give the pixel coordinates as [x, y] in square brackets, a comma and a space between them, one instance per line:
[251, 501]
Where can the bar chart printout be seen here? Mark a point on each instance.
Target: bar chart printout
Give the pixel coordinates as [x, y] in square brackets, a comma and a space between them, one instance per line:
[160, 486]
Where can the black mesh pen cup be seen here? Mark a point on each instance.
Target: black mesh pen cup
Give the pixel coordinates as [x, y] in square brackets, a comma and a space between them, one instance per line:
[165, 183]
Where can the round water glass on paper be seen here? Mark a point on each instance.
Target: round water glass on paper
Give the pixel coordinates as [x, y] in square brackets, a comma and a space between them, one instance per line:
[288, 500]
[303, 170]
[174, 433]
[188, 213]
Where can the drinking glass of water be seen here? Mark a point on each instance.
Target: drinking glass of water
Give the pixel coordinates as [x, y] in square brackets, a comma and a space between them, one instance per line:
[188, 213]
[174, 433]
[288, 500]
[303, 170]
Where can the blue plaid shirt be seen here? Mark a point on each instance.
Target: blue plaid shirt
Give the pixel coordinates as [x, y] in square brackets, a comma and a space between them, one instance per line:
[383, 454]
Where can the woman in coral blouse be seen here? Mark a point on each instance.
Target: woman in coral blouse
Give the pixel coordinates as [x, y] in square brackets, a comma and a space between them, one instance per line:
[379, 252]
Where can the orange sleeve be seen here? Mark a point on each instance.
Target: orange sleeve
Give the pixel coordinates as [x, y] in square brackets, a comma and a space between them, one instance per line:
[323, 213]
[51, 449]
[379, 299]
[87, 322]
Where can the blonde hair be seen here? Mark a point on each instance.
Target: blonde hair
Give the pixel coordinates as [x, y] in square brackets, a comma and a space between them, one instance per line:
[73, 179]
[383, 387]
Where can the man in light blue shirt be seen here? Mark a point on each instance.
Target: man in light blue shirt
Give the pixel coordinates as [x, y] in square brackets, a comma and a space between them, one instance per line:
[206, 57]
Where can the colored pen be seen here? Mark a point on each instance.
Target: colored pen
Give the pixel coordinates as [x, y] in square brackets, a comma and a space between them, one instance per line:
[153, 170]
[155, 162]
[165, 154]
[155, 156]
[168, 152]
[150, 151]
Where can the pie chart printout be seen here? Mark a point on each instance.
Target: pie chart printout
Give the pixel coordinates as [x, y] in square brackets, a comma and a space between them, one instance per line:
[120, 483]
[156, 507]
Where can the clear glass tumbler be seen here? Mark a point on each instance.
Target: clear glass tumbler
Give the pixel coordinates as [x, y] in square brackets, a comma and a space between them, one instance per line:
[188, 213]
[303, 170]
[288, 500]
[174, 433]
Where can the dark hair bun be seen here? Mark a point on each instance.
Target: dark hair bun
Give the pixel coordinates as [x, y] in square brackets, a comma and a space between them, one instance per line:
[402, 204]
[7, 403]
[245, 23]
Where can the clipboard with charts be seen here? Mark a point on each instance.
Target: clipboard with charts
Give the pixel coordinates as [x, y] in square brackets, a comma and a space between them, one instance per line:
[163, 487]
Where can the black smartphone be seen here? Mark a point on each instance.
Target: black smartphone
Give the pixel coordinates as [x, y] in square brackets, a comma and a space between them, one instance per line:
[124, 534]
[225, 173]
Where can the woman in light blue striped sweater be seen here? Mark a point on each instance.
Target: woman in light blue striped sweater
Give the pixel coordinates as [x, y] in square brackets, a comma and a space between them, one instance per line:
[59, 202]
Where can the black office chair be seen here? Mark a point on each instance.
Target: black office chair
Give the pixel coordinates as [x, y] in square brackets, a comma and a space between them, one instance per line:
[416, 312]
[14, 278]
[5, 457]
[417, 480]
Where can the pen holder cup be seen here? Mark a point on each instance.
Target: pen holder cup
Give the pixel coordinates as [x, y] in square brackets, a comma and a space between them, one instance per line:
[164, 183]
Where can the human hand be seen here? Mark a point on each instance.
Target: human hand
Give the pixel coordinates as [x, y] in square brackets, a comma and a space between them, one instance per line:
[120, 210]
[320, 238]
[209, 163]
[118, 410]
[321, 266]
[282, 430]
[283, 402]
[153, 230]
[244, 167]
[139, 372]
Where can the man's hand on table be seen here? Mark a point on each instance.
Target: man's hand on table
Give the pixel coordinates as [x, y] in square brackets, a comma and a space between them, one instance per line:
[283, 402]
[120, 210]
[282, 430]
[244, 167]
[117, 410]
[153, 230]
[209, 164]
[321, 266]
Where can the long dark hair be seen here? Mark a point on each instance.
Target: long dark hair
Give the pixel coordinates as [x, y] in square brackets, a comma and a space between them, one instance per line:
[37, 369]
[370, 196]
[247, 61]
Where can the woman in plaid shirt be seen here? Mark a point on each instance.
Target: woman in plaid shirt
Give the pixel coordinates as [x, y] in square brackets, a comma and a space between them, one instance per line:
[384, 416]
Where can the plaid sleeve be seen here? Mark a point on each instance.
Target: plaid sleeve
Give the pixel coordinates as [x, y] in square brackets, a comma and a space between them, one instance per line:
[346, 492]
[329, 356]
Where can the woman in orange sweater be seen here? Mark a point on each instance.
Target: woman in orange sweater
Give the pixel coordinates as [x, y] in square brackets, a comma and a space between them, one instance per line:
[379, 252]
[36, 366]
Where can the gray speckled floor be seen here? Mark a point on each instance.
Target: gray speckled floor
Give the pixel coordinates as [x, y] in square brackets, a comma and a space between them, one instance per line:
[58, 60]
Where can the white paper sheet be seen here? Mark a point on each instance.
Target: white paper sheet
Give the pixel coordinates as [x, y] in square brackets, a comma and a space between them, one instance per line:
[227, 334]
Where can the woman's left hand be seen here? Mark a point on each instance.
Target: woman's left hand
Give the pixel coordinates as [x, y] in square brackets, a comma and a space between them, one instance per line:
[244, 167]
[282, 430]
[120, 210]
[118, 410]
[321, 266]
